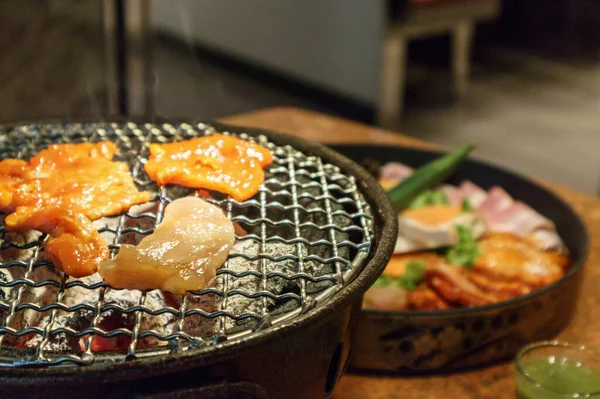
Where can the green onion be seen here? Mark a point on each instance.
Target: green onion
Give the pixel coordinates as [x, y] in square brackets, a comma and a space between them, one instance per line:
[414, 274]
[421, 201]
[466, 251]
[427, 176]
[438, 197]
[467, 206]
[384, 281]
[429, 198]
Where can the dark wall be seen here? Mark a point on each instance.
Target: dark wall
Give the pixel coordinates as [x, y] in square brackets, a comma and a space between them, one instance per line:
[52, 58]
[560, 28]
[563, 29]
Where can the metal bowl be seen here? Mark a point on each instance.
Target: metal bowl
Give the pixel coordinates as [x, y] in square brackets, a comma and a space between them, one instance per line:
[449, 340]
[294, 344]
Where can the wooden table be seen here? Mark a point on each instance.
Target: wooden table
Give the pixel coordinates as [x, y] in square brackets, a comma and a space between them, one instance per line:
[495, 382]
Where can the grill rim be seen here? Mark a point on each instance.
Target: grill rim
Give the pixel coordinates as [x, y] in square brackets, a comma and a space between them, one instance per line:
[384, 229]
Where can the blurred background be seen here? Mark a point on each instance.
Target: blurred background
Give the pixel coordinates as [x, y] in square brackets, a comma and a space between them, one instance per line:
[521, 78]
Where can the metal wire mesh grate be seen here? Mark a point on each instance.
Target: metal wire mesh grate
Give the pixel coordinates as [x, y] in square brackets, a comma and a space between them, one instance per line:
[302, 238]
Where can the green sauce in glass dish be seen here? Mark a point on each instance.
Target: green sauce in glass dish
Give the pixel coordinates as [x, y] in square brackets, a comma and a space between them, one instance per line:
[553, 370]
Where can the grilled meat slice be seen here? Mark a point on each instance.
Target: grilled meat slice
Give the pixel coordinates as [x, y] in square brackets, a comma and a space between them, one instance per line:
[222, 163]
[74, 245]
[181, 255]
[59, 190]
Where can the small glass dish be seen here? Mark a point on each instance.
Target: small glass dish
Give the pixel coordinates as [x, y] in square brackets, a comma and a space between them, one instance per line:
[557, 370]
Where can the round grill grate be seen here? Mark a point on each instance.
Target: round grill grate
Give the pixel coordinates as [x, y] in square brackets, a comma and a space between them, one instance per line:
[309, 231]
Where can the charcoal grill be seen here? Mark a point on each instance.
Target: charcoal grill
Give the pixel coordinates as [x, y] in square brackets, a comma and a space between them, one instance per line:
[276, 322]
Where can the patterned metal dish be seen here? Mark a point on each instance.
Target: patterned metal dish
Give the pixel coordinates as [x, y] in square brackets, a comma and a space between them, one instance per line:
[428, 341]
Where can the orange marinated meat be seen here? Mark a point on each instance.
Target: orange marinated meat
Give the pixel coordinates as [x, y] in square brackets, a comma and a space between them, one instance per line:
[452, 284]
[503, 289]
[12, 173]
[59, 191]
[79, 177]
[507, 267]
[93, 187]
[392, 297]
[396, 267]
[424, 298]
[74, 247]
[221, 163]
[59, 156]
[506, 257]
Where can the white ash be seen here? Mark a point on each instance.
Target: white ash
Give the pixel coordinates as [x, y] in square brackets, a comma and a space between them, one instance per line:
[40, 296]
[242, 245]
[198, 325]
[15, 254]
[239, 304]
[163, 324]
[77, 320]
[143, 224]
[81, 319]
[110, 223]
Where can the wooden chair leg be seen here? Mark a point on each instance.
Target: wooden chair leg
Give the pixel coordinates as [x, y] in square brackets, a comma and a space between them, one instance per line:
[461, 53]
[392, 80]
